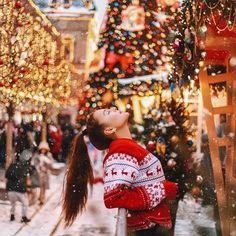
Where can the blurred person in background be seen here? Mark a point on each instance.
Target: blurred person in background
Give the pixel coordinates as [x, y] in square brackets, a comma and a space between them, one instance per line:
[43, 161]
[18, 183]
[2, 144]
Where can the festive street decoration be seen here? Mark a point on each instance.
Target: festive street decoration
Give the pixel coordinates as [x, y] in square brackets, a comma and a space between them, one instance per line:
[27, 73]
[166, 133]
[30, 70]
[196, 18]
[135, 42]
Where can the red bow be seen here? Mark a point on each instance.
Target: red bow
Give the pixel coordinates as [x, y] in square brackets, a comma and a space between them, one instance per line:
[124, 60]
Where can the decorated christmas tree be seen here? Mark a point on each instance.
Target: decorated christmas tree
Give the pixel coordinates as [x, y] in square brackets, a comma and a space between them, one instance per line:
[134, 58]
[167, 134]
[134, 48]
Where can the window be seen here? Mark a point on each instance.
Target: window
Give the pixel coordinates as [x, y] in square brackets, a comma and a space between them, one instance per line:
[54, 3]
[68, 48]
[67, 3]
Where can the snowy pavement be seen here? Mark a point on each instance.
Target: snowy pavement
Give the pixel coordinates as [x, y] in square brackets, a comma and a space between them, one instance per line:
[192, 218]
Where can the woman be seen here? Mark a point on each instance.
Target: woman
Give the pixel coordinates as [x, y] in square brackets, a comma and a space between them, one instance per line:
[43, 161]
[133, 177]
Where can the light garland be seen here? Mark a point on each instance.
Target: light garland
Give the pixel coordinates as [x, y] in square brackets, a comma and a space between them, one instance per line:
[28, 56]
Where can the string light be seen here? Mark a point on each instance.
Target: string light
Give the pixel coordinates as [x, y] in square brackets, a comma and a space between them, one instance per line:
[29, 51]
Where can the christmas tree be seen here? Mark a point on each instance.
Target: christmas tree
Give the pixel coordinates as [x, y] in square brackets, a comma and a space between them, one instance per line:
[134, 45]
[133, 58]
[167, 134]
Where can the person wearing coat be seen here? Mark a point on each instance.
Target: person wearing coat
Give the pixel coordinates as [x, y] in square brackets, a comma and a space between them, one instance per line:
[43, 161]
[17, 175]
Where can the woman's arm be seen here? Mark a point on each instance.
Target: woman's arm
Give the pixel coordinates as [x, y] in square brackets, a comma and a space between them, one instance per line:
[120, 174]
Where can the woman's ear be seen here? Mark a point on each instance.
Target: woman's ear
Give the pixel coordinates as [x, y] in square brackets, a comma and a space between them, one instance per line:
[109, 131]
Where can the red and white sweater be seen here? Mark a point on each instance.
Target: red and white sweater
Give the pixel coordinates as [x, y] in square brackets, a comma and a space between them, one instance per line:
[134, 179]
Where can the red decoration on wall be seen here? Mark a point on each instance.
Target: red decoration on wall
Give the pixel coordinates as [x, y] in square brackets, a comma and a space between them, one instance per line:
[221, 25]
[216, 54]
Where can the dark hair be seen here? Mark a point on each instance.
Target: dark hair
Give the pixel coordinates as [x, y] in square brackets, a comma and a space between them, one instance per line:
[79, 172]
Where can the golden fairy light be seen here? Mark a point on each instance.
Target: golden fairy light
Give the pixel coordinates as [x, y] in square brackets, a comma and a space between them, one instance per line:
[29, 62]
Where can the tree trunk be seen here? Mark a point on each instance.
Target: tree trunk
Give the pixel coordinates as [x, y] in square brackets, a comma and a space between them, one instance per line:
[44, 128]
[9, 134]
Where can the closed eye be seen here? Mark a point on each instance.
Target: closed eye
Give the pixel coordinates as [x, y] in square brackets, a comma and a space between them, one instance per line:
[106, 112]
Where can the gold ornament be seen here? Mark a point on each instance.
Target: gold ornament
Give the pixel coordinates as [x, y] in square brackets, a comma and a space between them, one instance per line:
[195, 191]
[174, 139]
[171, 163]
[161, 148]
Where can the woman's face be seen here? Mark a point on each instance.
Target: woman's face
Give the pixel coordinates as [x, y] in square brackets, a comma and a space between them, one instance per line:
[111, 118]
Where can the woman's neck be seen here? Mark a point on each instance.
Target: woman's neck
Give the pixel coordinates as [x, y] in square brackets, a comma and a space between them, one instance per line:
[123, 132]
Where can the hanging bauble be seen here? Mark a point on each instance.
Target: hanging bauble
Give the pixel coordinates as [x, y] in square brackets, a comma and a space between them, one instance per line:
[201, 45]
[151, 146]
[174, 139]
[232, 61]
[18, 4]
[187, 54]
[107, 97]
[199, 179]
[133, 18]
[195, 191]
[153, 134]
[1, 84]
[15, 79]
[161, 146]
[1, 61]
[176, 43]
[46, 61]
[23, 70]
[171, 163]
[190, 143]
[19, 23]
[140, 128]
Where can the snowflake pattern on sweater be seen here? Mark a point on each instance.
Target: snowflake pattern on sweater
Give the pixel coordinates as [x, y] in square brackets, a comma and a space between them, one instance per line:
[123, 169]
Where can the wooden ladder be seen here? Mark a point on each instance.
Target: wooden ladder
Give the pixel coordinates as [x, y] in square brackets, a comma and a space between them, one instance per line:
[225, 183]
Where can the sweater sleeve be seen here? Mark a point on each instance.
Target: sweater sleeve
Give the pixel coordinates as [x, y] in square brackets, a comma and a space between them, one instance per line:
[121, 171]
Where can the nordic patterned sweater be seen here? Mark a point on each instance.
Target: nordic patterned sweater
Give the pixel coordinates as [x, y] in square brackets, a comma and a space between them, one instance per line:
[134, 179]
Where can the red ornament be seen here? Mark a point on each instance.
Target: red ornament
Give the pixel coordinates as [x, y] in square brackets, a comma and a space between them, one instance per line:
[18, 4]
[128, 43]
[116, 44]
[15, 79]
[1, 84]
[176, 44]
[23, 70]
[46, 62]
[1, 61]
[19, 23]
[151, 146]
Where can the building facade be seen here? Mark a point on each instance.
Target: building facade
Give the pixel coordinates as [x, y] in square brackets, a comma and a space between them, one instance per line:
[75, 20]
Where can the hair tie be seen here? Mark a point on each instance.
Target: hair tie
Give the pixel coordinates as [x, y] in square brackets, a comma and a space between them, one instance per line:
[85, 132]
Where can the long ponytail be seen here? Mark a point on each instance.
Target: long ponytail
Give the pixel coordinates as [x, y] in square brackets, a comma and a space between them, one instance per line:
[79, 174]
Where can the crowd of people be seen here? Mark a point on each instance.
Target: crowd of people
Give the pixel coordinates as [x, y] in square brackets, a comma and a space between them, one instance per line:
[27, 178]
